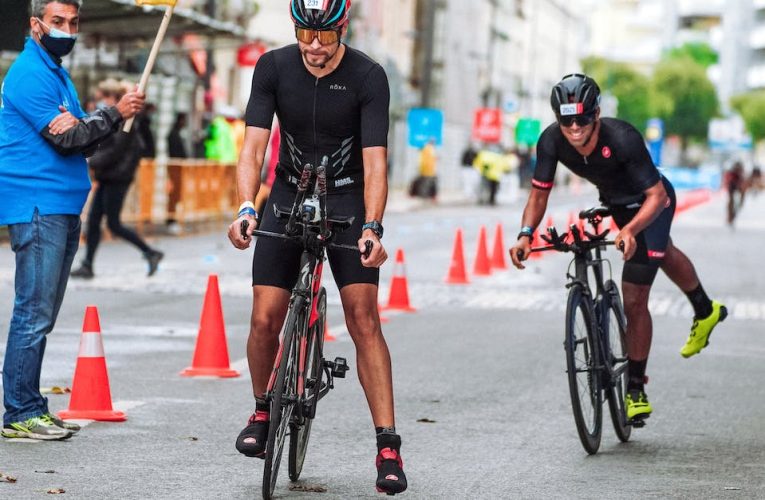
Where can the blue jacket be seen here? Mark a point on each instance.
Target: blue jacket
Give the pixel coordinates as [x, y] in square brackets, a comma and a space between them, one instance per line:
[32, 174]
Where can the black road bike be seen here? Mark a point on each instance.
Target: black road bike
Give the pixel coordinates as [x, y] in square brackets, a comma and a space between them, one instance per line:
[301, 376]
[595, 343]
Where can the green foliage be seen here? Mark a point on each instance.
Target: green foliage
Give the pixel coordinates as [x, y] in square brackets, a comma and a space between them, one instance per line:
[701, 53]
[632, 89]
[751, 107]
[685, 98]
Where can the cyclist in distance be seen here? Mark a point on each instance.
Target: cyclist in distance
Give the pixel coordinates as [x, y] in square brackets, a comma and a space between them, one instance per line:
[331, 100]
[611, 154]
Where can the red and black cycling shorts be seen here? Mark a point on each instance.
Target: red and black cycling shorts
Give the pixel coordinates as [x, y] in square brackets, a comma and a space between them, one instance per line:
[652, 242]
[276, 262]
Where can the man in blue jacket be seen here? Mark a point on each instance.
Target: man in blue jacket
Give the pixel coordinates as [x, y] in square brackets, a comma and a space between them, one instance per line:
[44, 139]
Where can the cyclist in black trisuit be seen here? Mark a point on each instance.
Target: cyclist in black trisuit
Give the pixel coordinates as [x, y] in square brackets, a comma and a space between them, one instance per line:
[611, 154]
[331, 100]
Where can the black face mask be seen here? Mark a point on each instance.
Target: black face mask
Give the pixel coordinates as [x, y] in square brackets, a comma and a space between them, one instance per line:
[57, 42]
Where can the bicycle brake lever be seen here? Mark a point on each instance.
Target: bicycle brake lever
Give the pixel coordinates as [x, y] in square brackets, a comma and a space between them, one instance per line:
[368, 245]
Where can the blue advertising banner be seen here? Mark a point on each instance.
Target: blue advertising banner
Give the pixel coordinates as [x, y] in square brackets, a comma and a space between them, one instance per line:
[425, 124]
[654, 136]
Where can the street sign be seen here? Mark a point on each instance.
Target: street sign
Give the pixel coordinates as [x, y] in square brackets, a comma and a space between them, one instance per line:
[527, 131]
[487, 125]
[425, 124]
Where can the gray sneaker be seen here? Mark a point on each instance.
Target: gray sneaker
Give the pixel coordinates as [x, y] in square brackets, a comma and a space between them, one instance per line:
[35, 428]
[70, 426]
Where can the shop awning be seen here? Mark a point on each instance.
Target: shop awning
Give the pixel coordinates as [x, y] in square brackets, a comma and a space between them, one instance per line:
[124, 20]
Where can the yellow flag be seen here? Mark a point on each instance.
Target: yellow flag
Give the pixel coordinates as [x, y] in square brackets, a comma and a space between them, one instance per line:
[170, 3]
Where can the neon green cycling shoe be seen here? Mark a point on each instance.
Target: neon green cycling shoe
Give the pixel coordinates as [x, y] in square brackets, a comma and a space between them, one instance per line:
[702, 329]
[638, 407]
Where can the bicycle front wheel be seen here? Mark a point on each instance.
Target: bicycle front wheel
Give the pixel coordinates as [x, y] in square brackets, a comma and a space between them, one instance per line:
[300, 431]
[583, 371]
[283, 397]
[616, 323]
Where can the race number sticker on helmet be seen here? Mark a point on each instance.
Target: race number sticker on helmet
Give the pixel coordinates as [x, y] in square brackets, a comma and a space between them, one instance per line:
[315, 4]
[571, 109]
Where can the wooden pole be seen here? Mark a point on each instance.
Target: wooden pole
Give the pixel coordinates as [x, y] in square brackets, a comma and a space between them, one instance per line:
[152, 58]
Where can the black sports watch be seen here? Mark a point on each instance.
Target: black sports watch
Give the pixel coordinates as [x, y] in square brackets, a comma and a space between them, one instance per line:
[375, 226]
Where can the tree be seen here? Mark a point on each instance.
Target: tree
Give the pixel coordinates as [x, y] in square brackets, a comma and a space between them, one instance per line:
[685, 98]
[751, 107]
[632, 89]
[701, 53]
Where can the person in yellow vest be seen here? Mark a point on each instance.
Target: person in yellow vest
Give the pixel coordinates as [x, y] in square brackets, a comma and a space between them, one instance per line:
[492, 166]
[426, 184]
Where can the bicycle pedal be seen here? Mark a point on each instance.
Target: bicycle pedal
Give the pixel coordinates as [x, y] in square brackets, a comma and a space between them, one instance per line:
[339, 366]
[637, 422]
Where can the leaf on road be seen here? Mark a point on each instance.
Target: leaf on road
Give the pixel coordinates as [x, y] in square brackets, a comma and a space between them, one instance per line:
[309, 488]
[55, 491]
[192, 438]
[6, 479]
[49, 471]
[426, 421]
[55, 390]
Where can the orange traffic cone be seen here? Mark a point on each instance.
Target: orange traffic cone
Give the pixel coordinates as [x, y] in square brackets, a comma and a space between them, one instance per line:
[383, 319]
[481, 266]
[91, 397]
[211, 352]
[457, 273]
[328, 337]
[614, 228]
[498, 255]
[398, 299]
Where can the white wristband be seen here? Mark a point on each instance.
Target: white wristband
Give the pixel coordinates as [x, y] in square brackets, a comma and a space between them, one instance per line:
[246, 204]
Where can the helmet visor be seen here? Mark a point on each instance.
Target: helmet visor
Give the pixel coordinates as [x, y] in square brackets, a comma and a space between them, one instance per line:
[325, 37]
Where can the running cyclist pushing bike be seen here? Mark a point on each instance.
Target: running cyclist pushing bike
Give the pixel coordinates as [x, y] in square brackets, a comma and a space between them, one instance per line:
[611, 154]
[332, 101]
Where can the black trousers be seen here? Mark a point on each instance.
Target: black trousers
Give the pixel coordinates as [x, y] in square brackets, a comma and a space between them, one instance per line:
[108, 200]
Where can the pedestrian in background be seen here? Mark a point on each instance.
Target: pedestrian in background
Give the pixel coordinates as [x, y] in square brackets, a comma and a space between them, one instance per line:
[176, 150]
[735, 186]
[44, 138]
[114, 166]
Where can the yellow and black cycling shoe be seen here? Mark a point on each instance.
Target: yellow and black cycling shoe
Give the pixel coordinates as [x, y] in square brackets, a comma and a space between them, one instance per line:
[638, 407]
[702, 329]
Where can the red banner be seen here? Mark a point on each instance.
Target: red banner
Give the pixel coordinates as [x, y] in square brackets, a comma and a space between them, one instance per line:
[487, 125]
[249, 53]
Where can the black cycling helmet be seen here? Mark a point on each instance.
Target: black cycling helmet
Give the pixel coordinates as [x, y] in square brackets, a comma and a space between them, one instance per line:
[320, 14]
[578, 90]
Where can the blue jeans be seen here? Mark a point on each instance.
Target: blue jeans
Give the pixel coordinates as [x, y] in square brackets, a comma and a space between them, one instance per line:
[44, 249]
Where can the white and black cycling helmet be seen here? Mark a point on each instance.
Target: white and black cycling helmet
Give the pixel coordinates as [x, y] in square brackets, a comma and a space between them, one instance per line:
[575, 94]
[320, 14]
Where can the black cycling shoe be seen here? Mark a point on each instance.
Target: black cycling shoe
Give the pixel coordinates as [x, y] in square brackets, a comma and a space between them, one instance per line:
[252, 440]
[390, 468]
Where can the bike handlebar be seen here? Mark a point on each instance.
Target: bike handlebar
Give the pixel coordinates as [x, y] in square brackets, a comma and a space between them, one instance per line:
[369, 245]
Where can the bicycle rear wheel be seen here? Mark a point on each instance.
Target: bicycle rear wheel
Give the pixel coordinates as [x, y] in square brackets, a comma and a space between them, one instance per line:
[283, 397]
[583, 372]
[300, 432]
[616, 323]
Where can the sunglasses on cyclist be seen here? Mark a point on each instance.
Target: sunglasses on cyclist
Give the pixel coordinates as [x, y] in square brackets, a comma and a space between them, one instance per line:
[581, 120]
[325, 37]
